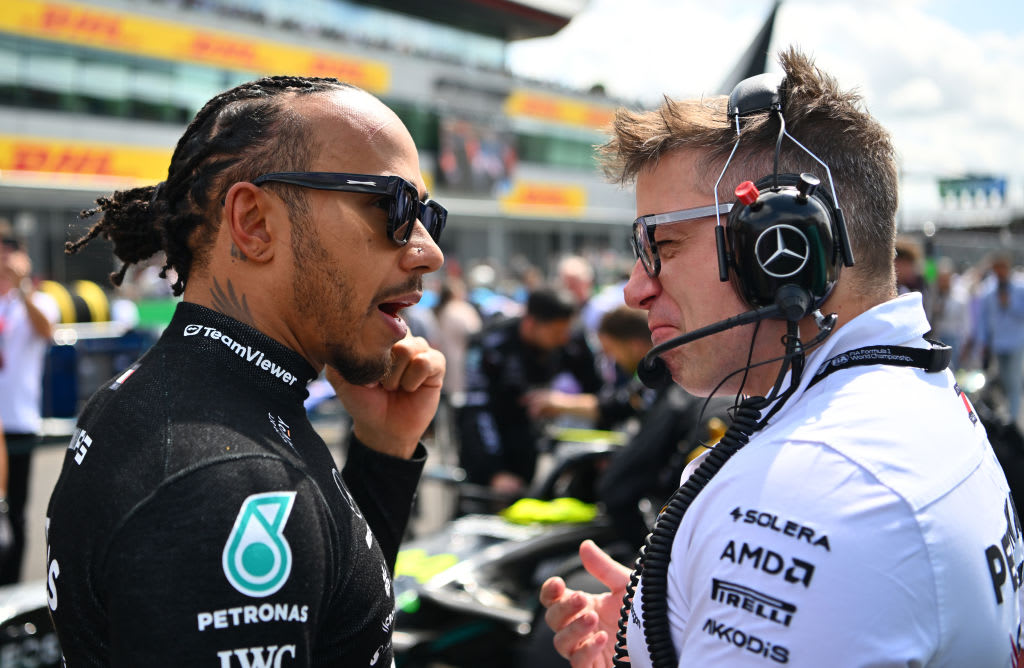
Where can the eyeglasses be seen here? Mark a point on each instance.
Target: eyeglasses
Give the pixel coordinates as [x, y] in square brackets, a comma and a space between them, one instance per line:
[10, 244]
[404, 208]
[644, 246]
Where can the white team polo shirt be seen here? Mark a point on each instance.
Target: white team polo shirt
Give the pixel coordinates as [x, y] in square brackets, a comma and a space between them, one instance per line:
[24, 358]
[868, 524]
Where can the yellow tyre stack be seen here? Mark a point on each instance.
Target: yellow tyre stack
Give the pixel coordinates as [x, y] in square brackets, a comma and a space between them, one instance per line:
[82, 301]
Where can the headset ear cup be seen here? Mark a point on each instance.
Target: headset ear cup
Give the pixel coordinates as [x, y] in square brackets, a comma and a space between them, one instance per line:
[783, 238]
[738, 255]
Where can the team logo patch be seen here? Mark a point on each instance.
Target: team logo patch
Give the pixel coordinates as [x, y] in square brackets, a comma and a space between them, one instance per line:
[782, 251]
[257, 559]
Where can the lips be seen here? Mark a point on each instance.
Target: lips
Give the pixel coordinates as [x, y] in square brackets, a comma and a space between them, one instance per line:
[393, 307]
[661, 331]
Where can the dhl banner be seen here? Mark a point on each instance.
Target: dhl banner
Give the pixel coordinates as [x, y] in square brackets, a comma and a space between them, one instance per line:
[556, 109]
[42, 161]
[72, 23]
[49, 161]
[543, 199]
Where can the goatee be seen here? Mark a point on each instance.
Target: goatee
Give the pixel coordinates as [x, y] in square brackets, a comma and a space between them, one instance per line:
[360, 371]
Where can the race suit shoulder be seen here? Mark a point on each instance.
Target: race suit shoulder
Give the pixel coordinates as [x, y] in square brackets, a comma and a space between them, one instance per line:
[200, 520]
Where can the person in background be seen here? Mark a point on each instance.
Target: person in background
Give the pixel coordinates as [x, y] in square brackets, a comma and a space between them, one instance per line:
[1001, 330]
[947, 304]
[909, 260]
[608, 296]
[27, 317]
[198, 518]
[458, 321]
[624, 340]
[577, 276]
[499, 441]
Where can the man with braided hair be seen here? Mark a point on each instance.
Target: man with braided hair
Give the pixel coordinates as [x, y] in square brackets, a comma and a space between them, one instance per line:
[198, 518]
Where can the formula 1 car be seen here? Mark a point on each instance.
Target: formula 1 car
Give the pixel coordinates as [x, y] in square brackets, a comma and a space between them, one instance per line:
[467, 595]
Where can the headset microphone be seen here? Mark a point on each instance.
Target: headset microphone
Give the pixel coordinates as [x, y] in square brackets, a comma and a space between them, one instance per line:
[791, 303]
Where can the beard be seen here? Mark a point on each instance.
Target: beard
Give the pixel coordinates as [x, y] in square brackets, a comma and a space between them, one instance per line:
[322, 297]
[357, 370]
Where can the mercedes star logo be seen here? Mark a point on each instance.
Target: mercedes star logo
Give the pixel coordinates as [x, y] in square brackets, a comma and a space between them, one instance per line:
[781, 251]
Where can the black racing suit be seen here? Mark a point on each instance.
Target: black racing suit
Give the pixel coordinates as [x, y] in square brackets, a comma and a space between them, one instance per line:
[495, 431]
[199, 520]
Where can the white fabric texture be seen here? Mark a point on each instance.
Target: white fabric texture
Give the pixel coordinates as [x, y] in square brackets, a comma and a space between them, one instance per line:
[24, 356]
[868, 524]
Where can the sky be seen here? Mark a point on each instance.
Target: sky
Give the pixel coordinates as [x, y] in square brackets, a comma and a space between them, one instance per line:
[946, 77]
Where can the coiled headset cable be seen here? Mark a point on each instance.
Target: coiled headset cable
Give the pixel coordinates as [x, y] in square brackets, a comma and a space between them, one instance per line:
[653, 559]
[656, 551]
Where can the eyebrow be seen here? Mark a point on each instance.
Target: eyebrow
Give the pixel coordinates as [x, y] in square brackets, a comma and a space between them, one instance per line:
[675, 232]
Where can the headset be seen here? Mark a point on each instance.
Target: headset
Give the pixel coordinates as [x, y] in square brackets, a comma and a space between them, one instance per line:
[784, 242]
[784, 230]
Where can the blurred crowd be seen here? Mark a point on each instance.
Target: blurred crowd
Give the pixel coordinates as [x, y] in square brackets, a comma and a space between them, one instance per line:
[978, 310]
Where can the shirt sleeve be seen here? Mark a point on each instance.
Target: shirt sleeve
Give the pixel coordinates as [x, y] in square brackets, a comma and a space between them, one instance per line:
[384, 487]
[47, 305]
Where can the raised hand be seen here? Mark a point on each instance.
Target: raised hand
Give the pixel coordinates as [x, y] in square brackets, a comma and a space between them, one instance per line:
[585, 624]
[391, 415]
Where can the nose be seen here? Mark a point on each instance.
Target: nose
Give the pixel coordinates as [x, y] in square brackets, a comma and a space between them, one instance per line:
[421, 253]
[641, 289]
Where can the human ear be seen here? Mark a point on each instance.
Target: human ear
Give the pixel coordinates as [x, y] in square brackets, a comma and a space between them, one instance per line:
[248, 214]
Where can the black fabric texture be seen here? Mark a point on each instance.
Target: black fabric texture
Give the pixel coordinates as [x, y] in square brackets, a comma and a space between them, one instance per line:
[495, 431]
[152, 560]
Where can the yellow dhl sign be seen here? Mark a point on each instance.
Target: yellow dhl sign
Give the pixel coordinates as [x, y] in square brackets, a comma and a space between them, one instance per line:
[542, 199]
[72, 23]
[41, 160]
[552, 108]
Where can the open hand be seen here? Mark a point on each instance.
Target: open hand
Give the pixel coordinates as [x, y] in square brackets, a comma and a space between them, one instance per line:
[585, 624]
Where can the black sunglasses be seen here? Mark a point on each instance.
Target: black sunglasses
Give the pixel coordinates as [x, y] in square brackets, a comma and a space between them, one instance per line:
[404, 209]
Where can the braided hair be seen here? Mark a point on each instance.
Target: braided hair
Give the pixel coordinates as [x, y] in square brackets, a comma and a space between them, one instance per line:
[237, 135]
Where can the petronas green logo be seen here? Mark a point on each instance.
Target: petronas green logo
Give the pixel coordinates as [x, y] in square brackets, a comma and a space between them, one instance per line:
[257, 559]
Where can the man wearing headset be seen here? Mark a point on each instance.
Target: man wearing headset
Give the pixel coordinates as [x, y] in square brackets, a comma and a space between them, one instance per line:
[867, 521]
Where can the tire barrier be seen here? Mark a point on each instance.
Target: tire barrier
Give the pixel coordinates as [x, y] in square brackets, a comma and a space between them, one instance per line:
[81, 301]
[87, 348]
